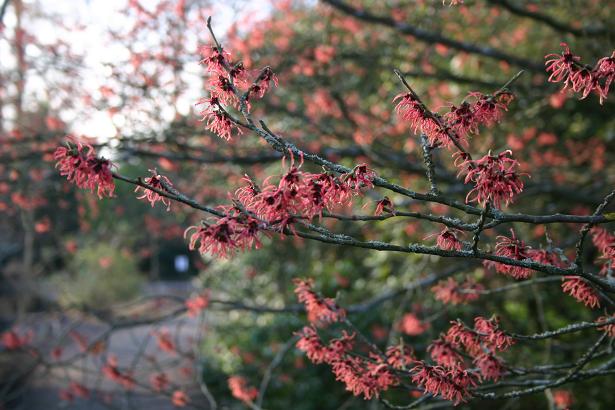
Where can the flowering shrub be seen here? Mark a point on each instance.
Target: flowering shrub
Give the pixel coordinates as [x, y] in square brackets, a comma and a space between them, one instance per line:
[462, 198]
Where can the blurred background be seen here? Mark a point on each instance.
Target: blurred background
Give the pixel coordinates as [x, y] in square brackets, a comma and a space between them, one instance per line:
[125, 76]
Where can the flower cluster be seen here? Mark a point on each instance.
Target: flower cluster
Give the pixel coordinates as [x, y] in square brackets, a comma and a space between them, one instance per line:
[444, 353]
[483, 110]
[409, 109]
[448, 239]
[495, 177]
[113, 373]
[516, 249]
[303, 194]
[158, 182]
[581, 290]
[79, 164]
[384, 205]
[366, 377]
[73, 391]
[180, 398]
[227, 81]
[234, 231]
[298, 195]
[481, 343]
[459, 122]
[159, 381]
[609, 328]
[452, 384]
[566, 68]
[450, 291]
[196, 304]
[216, 119]
[241, 390]
[412, 325]
[12, 340]
[605, 242]
[318, 309]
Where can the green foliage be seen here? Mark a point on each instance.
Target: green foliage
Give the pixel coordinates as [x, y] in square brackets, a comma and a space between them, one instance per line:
[99, 275]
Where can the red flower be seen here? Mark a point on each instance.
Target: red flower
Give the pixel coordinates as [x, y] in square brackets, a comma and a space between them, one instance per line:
[458, 335]
[79, 390]
[361, 176]
[240, 389]
[363, 377]
[180, 398]
[160, 183]
[112, 372]
[310, 343]
[561, 65]
[546, 257]
[409, 109]
[609, 328]
[491, 335]
[495, 178]
[581, 78]
[412, 325]
[13, 340]
[217, 120]
[80, 166]
[447, 239]
[563, 399]
[164, 341]
[452, 384]
[490, 367]
[444, 354]
[384, 205]
[214, 58]
[159, 381]
[197, 304]
[399, 357]
[450, 291]
[485, 110]
[227, 235]
[515, 249]
[320, 309]
[581, 290]
[263, 83]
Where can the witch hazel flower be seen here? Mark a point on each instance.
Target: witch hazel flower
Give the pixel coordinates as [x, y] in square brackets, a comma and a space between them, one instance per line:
[409, 109]
[581, 78]
[215, 58]
[581, 290]
[451, 384]
[516, 249]
[158, 182]
[458, 335]
[263, 83]
[496, 178]
[241, 390]
[79, 164]
[482, 110]
[490, 366]
[444, 354]
[447, 239]
[450, 291]
[196, 304]
[384, 205]
[217, 120]
[608, 328]
[227, 235]
[318, 309]
[491, 334]
[361, 176]
[400, 356]
[411, 325]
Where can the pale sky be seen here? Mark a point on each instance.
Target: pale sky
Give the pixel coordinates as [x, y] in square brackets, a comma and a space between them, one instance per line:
[98, 16]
